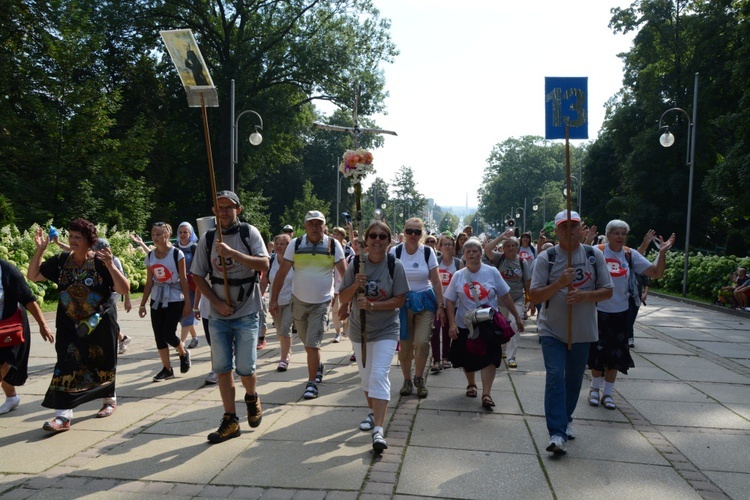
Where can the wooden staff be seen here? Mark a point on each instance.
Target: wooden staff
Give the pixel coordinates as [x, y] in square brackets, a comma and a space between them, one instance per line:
[570, 234]
[361, 269]
[216, 200]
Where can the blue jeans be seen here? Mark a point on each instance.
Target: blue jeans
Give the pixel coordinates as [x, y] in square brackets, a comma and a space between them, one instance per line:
[564, 379]
[234, 343]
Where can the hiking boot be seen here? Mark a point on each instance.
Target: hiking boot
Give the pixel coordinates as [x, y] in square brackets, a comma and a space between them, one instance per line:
[254, 411]
[229, 428]
[185, 362]
[164, 374]
[406, 388]
[421, 387]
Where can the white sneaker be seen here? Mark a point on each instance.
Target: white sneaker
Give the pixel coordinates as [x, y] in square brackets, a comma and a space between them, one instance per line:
[124, 344]
[557, 445]
[212, 378]
[337, 338]
[10, 404]
[569, 432]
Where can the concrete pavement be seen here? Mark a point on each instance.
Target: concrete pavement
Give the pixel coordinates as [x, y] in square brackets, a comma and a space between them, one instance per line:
[681, 430]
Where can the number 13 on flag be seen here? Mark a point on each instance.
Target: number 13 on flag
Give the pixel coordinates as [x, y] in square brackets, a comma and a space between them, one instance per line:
[566, 103]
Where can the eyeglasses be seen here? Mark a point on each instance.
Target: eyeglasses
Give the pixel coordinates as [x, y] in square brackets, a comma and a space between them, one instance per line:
[376, 236]
[411, 231]
[446, 244]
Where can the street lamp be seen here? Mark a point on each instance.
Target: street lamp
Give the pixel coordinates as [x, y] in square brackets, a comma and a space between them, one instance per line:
[255, 138]
[666, 140]
[577, 188]
[518, 216]
[535, 207]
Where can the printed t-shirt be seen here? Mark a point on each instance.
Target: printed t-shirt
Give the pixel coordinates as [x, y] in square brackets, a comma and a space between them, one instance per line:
[489, 286]
[166, 276]
[513, 272]
[617, 264]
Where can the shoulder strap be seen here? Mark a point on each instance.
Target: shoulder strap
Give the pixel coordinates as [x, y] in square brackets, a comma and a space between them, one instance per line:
[176, 255]
[391, 263]
[427, 255]
[330, 245]
[210, 235]
[592, 256]
[399, 249]
[457, 263]
[245, 236]
[297, 243]
[499, 262]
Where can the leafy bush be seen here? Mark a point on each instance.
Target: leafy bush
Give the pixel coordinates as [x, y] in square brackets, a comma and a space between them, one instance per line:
[706, 273]
[18, 248]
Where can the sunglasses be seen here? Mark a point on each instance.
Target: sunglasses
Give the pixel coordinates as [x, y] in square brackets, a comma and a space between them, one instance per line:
[411, 231]
[380, 236]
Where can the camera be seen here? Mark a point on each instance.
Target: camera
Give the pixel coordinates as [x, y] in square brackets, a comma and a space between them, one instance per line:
[347, 217]
[510, 223]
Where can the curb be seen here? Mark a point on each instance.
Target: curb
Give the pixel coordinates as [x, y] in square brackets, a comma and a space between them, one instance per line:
[711, 307]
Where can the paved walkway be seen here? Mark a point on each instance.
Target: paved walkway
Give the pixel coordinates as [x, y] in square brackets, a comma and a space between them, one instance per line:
[682, 429]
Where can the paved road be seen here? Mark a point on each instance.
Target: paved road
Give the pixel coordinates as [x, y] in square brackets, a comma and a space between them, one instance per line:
[682, 428]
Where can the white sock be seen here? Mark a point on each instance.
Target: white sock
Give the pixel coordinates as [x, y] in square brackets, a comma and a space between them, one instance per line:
[12, 399]
[377, 429]
[608, 386]
[595, 381]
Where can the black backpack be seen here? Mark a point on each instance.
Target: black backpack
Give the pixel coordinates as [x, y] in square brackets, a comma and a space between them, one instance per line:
[219, 280]
[389, 256]
[400, 248]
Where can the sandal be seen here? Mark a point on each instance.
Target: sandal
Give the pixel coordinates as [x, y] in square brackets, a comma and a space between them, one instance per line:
[435, 367]
[311, 391]
[283, 365]
[608, 402]
[594, 397]
[447, 364]
[368, 423]
[471, 391]
[319, 375]
[487, 401]
[107, 410]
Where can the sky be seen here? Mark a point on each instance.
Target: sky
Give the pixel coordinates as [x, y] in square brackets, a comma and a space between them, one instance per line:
[471, 74]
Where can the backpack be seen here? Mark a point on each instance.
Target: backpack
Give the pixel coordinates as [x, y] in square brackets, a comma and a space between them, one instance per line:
[456, 262]
[298, 242]
[219, 280]
[389, 256]
[400, 248]
[175, 254]
[552, 254]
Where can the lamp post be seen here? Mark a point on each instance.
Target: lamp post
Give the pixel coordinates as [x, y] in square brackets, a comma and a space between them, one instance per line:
[518, 216]
[535, 207]
[577, 188]
[255, 138]
[666, 140]
[506, 218]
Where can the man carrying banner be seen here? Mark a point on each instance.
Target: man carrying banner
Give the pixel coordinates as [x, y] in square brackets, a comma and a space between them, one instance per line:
[234, 328]
[555, 285]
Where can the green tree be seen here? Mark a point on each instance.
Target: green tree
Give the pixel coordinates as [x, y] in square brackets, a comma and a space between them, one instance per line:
[295, 214]
[406, 197]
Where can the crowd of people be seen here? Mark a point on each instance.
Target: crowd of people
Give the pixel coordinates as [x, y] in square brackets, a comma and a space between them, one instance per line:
[414, 295]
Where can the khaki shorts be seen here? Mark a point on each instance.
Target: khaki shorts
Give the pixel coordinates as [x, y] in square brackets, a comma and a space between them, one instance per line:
[309, 319]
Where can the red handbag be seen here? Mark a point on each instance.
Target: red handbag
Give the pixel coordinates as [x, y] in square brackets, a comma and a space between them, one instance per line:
[11, 330]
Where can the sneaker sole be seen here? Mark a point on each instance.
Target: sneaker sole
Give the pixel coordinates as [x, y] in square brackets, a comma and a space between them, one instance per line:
[556, 450]
[379, 447]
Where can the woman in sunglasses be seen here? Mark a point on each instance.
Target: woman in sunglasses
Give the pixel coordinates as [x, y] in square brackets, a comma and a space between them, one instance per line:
[166, 284]
[86, 340]
[385, 287]
[423, 303]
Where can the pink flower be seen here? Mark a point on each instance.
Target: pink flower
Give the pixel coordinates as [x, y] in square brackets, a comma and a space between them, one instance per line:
[367, 158]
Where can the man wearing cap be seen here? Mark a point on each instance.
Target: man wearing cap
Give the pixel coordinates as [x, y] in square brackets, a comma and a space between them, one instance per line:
[234, 328]
[556, 285]
[314, 256]
[288, 230]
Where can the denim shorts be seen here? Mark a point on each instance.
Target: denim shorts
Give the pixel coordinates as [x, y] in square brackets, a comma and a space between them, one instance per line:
[234, 344]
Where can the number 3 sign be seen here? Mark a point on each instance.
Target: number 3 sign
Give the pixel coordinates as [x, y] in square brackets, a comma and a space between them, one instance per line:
[566, 103]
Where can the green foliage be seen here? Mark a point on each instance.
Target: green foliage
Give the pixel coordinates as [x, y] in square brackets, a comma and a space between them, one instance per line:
[295, 214]
[18, 248]
[706, 273]
[7, 217]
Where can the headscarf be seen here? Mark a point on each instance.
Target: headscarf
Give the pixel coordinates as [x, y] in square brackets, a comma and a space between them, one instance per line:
[193, 237]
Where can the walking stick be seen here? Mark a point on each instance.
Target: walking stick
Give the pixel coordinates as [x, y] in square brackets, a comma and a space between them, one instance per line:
[361, 269]
[216, 200]
[570, 234]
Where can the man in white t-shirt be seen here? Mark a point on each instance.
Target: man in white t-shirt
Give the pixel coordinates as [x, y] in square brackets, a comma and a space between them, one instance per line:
[314, 257]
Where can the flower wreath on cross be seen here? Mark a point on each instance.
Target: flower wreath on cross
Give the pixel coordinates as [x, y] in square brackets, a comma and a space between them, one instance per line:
[356, 165]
